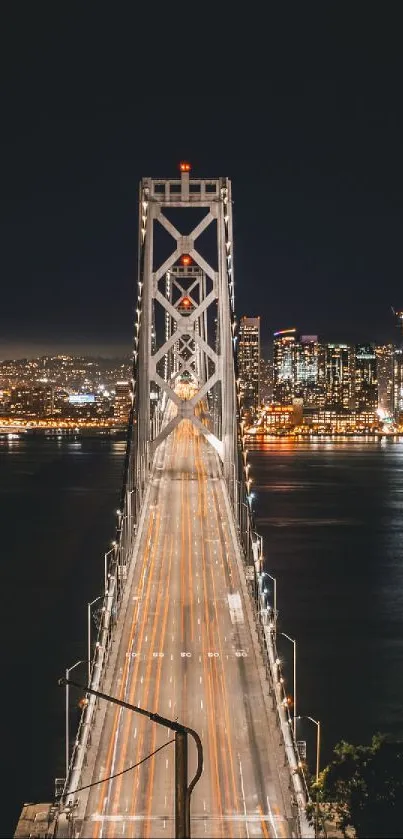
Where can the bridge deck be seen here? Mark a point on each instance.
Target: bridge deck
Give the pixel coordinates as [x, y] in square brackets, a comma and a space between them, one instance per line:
[187, 652]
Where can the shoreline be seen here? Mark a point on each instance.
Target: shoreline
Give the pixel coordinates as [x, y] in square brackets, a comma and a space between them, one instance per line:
[30, 434]
[315, 438]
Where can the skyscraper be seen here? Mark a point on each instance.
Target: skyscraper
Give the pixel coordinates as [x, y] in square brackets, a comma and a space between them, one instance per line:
[123, 401]
[385, 355]
[398, 384]
[398, 368]
[284, 343]
[249, 362]
[339, 373]
[306, 369]
[365, 378]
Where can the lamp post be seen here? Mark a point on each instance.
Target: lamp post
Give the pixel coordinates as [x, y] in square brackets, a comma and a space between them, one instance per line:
[265, 574]
[68, 671]
[112, 550]
[89, 632]
[183, 790]
[317, 723]
[294, 643]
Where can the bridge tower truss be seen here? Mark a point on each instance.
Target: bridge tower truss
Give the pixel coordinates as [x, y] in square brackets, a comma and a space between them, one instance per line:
[185, 323]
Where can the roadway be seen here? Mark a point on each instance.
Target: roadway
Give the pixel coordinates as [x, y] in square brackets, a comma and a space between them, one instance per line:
[186, 651]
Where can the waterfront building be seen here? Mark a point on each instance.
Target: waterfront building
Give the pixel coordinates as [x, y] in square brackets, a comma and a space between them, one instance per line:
[284, 342]
[398, 384]
[30, 401]
[265, 383]
[123, 401]
[385, 356]
[339, 375]
[365, 378]
[249, 362]
[276, 418]
[308, 386]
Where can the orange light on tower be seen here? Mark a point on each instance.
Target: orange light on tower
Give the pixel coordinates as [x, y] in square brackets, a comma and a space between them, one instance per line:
[186, 303]
[184, 166]
[186, 259]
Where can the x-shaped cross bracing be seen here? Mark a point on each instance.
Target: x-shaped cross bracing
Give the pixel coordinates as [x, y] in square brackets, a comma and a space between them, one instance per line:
[187, 328]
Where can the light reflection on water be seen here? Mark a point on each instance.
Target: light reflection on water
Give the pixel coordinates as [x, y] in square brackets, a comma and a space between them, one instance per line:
[331, 516]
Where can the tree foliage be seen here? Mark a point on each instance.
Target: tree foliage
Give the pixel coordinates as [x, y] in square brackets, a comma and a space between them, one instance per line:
[364, 787]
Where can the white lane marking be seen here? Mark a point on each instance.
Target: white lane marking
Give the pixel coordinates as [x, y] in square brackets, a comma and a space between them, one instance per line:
[166, 763]
[135, 732]
[201, 704]
[106, 799]
[238, 818]
[243, 795]
[272, 822]
[201, 679]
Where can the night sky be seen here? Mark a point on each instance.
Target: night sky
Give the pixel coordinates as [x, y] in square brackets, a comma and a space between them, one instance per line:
[305, 118]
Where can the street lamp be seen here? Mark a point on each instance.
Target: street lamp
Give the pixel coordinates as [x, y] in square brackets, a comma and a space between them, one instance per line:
[294, 643]
[89, 632]
[183, 790]
[265, 574]
[317, 723]
[68, 671]
[112, 550]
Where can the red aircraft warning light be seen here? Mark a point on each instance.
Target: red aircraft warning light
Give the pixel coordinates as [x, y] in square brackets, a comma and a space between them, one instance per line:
[184, 166]
[186, 259]
[185, 306]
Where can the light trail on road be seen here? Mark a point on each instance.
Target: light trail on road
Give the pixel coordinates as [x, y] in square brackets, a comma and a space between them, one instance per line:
[187, 652]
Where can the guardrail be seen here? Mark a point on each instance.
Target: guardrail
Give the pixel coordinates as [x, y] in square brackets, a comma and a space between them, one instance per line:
[116, 573]
[252, 552]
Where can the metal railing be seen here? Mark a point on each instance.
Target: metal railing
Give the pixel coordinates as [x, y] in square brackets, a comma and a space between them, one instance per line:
[252, 554]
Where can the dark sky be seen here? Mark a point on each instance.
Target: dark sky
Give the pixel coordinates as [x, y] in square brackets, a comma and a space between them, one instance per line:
[303, 113]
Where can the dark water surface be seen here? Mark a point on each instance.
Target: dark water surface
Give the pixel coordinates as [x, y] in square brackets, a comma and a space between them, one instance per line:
[331, 514]
[57, 503]
[332, 519]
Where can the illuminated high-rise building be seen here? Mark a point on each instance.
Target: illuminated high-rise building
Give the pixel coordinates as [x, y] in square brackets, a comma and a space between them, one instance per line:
[249, 362]
[398, 384]
[398, 368]
[307, 354]
[365, 378]
[385, 356]
[284, 342]
[339, 375]
[265, 384]
[123, 401]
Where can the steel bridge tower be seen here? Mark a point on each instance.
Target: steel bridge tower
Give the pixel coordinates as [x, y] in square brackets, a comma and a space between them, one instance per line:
[185, 324]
